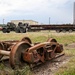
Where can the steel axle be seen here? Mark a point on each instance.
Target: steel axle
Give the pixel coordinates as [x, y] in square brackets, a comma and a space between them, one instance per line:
[3, 52]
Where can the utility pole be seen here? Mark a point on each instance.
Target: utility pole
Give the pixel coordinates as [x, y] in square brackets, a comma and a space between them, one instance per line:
[49, 24]
[23, 20]
[74, 13]
[49, 20]
[3, 21]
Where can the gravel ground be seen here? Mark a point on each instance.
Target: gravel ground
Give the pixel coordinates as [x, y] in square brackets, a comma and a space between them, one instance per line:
[50, 67]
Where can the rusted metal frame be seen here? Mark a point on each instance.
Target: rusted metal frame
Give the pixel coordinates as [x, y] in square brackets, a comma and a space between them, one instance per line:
[37, 46]
[51, 53]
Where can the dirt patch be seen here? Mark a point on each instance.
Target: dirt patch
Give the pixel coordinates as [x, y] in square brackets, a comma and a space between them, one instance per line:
[50, 67]
[47, 68]
[70, 46]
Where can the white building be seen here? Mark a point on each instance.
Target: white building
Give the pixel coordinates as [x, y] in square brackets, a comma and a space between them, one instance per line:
[30, 22]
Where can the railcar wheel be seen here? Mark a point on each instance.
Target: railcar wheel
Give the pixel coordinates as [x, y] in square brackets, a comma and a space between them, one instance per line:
[52, 54]
[16, 60]
[70, 31]
[4, 30]
[51, 40]
[26, 39]
[63, 31]
[22, 30]
[17, 30]
[58, 31]
[8, 31]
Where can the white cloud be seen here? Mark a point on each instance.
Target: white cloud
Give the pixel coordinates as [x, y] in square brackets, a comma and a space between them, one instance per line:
[20, 7]
[8, 6]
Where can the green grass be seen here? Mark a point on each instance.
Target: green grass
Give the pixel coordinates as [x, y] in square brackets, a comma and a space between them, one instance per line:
[24, 71]
[8, 71]
[70, 52]
[67, 69]
[64, 38]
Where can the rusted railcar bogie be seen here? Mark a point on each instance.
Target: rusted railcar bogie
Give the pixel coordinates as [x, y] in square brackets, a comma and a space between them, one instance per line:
[21, 52]
[7, 45]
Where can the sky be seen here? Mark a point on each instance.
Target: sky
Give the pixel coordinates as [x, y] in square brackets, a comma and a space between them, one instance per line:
[42, 11]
